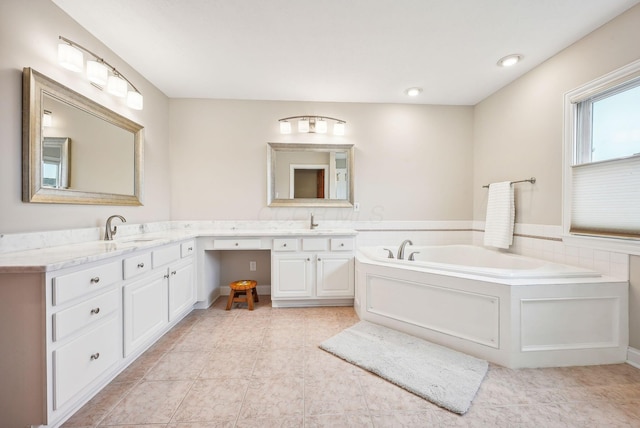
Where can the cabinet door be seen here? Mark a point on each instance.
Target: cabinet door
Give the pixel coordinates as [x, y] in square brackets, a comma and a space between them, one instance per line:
[182, 291]
[334, 276]
[145, 310]
[291, 275]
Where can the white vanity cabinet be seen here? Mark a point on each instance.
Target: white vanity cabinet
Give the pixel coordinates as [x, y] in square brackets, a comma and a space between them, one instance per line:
[312, 271]
[86, 329]
[160, 297]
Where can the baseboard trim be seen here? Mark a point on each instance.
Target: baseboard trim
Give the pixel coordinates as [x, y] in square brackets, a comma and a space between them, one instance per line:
[633, 357]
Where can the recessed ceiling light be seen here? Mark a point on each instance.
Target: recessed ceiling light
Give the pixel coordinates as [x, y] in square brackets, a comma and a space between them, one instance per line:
[413, 92]
[509, 60]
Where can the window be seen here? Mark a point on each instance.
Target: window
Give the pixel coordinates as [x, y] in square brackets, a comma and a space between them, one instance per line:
[602, 156]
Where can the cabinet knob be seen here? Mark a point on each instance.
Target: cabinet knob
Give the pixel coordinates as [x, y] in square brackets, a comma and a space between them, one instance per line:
[173, 272]
[140, 265]
[95, 311]
[236, 244]
[95, 280]
[166, 276]
[308, 259]
[319, 259]
[190, 248]
[342, 244]
[95, 356]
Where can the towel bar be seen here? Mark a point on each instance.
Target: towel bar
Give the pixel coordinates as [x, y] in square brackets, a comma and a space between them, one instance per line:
[531, 180]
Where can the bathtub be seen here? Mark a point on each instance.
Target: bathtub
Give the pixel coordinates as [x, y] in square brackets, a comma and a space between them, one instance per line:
[511, 310]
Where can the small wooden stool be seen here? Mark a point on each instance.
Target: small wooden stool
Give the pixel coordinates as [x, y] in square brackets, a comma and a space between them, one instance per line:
[246, 287]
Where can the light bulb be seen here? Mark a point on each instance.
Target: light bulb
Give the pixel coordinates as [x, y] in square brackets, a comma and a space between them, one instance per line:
[414, 92]
[509, 60]
[97, 73]
[70, 57]
[117, 86]
[47, 118]
[134, 100]
[303, 125]
[321, 126]
[338, 128]
[285, 127]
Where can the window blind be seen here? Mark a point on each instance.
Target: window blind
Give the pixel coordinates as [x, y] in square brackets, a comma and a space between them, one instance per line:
[606, 198]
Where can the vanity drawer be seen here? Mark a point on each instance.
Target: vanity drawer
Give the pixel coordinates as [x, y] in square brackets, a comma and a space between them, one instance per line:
[83, 360]
[289, 244]
[187, 248]
[166, 255]
[73, 285]
[136, 265]
[237, 244]
[314, 244]
[83, 314]
[341, 244]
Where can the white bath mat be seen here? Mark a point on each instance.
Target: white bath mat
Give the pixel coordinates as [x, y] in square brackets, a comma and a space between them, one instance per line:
[445, 377]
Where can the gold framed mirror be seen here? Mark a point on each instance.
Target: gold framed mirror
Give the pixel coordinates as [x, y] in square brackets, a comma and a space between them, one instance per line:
[75, 151]
[310, 175]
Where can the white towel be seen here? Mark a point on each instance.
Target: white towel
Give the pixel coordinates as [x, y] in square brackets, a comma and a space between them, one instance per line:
[498, 228]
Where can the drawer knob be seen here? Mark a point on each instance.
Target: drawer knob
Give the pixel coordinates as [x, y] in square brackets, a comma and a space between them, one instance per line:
[236, 244]
[342, 244]
[95, 280]
[284, 245]
[95, 311]
[190, 248]
[95, 356]
[308, 259]
[319, 259]
[140, 265]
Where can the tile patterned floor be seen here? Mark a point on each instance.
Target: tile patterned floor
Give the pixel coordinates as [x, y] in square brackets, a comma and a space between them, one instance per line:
[263, 369]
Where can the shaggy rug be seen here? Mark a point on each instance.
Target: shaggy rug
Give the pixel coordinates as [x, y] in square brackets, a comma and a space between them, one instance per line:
[445, 377]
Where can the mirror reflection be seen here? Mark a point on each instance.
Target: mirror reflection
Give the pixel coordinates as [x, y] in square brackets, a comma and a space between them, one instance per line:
[76, 151]
[102, 156]
[310, 175]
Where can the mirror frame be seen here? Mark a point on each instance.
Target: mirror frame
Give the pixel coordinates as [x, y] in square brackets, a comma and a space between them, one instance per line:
[34, 86]
[273, 148]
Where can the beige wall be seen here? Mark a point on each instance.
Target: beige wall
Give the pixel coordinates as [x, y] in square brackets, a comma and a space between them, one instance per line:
[412, 162]
[29, 33]
[518, 130]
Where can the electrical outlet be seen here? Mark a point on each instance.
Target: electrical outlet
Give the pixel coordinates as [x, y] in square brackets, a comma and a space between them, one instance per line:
[356, 206]
[252, 266]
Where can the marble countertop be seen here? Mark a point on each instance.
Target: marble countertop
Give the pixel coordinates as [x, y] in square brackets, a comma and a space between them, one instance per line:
[64, 256]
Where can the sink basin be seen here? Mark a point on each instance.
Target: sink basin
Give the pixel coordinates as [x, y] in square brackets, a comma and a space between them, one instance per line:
[140, 240]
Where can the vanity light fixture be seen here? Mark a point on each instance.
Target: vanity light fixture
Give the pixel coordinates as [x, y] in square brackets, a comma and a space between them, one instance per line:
[510, 60]
[312, 124]
[100, 73]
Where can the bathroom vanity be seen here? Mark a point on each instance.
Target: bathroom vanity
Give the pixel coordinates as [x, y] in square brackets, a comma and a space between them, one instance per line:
[73, 317]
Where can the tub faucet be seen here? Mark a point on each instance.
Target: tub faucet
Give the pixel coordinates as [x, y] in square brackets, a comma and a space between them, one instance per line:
[401, 248]
[109, 233]
[312, 224]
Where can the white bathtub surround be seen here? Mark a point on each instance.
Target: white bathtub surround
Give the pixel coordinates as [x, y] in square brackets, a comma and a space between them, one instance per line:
[633, 357]
[445, 377]
[512, 321]
[546, 242]
[498, 231]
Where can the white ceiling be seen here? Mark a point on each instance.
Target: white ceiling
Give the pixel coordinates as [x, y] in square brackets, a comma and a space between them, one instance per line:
[337, 50]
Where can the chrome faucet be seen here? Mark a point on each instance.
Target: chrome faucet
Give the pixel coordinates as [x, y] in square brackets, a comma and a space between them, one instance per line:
[313, 225]
[401, 248]
[109, 233]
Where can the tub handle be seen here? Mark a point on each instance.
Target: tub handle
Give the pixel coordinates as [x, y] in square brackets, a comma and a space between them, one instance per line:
[390, 254]
[411, 258]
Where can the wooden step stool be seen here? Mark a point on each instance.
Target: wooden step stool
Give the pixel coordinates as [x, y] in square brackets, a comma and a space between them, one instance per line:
[246, 288]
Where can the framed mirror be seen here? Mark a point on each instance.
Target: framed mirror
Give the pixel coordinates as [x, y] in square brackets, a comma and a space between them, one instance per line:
[75, 151]
[310, 175]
